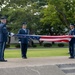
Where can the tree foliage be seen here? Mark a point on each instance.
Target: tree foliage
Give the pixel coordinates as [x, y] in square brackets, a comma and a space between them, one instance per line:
[42, 16]
[59, 14]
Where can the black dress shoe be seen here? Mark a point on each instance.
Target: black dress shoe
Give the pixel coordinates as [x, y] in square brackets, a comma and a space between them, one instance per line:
[3, 60]
[71, 57]
[24, 57]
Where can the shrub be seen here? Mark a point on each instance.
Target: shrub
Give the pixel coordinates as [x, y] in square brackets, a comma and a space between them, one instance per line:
[34, 46]
[60, 45]
[47, 45]
[17, 45]
[7, 46]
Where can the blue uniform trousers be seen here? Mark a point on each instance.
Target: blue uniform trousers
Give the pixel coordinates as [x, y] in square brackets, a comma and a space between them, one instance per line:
[71, 49]
[24, 49]
[2, 49]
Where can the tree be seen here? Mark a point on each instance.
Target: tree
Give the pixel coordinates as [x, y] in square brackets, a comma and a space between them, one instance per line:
[59, 14]
[19, 11]
[42, 16]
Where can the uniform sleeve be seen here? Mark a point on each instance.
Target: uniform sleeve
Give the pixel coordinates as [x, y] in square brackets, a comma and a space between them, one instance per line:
[72, 32]
[5, 31]
[19, 32]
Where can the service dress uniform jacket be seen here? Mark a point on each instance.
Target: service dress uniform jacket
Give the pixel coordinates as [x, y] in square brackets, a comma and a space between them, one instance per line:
[3, 39]
[72, 44]
[24, 42]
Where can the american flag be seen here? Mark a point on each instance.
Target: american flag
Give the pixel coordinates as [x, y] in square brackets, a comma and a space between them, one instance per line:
[61, 38]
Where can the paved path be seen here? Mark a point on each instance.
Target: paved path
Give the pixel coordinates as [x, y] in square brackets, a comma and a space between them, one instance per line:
[50, 65]
[17, 62]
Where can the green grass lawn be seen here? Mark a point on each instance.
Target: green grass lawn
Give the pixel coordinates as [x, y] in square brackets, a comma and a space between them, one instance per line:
[37, 52]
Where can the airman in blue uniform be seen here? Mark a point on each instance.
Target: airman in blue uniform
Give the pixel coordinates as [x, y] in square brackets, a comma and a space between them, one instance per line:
[24, 41]
[72, 42]
[3, 38]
